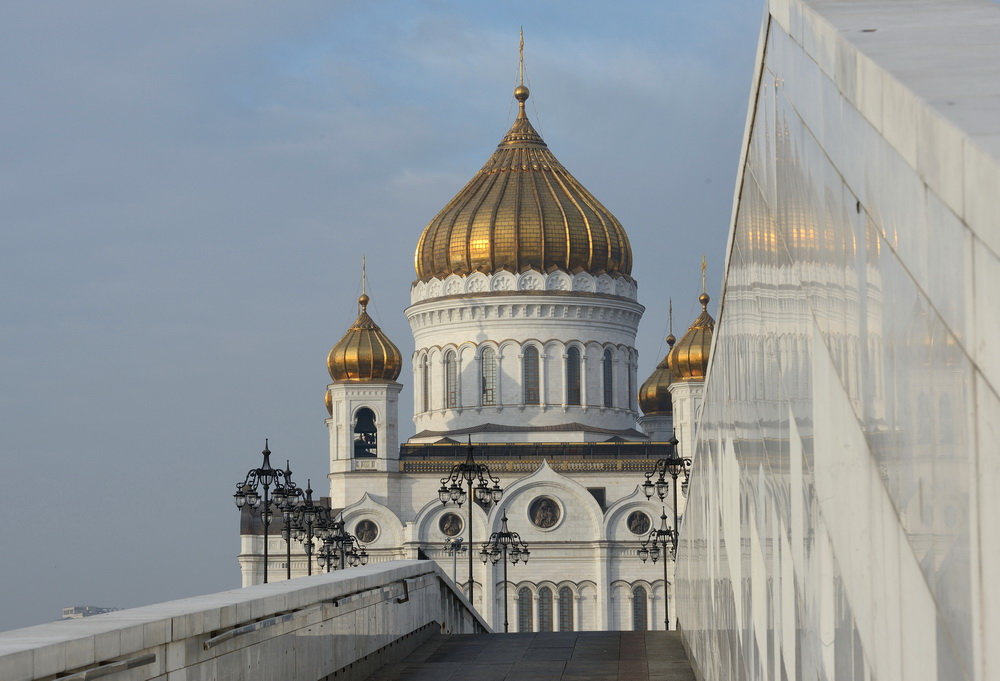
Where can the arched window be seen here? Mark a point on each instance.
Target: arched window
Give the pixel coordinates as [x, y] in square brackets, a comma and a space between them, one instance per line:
[545, 609]
[530, 375]
[573, 375]
[365, 434]
[639, 606]
[524, 609]
[565, 609]
[488, 377]
[609, 386]
[425, 382]
[450, 380]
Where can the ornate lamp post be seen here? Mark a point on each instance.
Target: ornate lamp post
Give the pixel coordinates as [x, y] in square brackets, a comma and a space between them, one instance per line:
[339, 545]
[660, 543]
[477, 478]
[248, 493]
[501, 546]
[304, 527]
[454, 546]
[673, 466]
[285, 497]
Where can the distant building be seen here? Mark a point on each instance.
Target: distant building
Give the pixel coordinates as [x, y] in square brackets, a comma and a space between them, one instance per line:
[77, 612]
[524, 315]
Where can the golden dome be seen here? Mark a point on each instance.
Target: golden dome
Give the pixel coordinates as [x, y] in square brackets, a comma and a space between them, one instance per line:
[365, 353]
[654, 394]
[688, 361]
[329, 403]
[523, 210]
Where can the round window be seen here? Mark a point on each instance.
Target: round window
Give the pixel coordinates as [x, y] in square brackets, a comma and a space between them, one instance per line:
[638, 522]
[450, 524]
[366, 531]
[544, 512]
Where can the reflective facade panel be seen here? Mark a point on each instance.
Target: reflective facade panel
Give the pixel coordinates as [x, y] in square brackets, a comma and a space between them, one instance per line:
[844, 510]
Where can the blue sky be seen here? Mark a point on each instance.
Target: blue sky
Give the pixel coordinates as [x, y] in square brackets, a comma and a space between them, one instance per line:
[187, 189]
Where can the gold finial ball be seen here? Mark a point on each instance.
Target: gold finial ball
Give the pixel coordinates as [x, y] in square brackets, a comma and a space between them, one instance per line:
[703, 299]
[363, 300]
[671, 339]
[521, 93]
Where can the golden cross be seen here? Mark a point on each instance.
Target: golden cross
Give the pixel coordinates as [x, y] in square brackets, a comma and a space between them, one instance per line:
[704, 266]
[521, 62]
[364, 275]
[670, 316]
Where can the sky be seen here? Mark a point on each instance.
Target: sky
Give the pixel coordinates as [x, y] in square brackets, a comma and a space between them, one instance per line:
[186, 192]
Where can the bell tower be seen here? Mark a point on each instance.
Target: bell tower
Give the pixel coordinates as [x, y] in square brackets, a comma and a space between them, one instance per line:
[363, 407]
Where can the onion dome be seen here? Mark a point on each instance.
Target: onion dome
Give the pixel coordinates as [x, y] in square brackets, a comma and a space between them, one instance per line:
[329, 403]
[654, 394]
[523, 210]
[365, 353]
[688, 361]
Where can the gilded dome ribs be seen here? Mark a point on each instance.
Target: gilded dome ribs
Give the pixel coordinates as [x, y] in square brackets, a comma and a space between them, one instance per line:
[537, 216]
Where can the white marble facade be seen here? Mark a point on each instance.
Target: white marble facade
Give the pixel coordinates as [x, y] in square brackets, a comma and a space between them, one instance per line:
[842, 518]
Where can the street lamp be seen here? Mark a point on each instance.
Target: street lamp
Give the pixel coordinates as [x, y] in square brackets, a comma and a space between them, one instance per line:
[248, 493]
[501, 546]
[305, 514]
[673, 466]
[660, 543]
[285, 497]
[470, 473]
[454, 546]
[339, 545]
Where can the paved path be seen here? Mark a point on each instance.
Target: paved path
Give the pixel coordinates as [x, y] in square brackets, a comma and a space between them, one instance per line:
[569, 656]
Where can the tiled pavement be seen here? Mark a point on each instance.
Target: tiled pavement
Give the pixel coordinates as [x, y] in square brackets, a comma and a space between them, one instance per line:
[564, 656]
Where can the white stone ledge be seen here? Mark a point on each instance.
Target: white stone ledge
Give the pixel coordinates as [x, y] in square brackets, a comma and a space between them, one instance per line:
[328, 621]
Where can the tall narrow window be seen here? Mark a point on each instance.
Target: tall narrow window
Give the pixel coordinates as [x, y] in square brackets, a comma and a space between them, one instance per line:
[530, 373]
[631, 382]
[573, 376]
[607, 366]
[545, 609]
[488, 376]
[450, 380]
[565, 609]
[524, 609]
[639, 606]
[425, 382]
[365, 434]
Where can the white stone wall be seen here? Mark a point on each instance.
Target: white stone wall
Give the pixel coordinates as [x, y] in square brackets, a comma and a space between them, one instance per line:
[348, 624]
[347, 399]
[552, 322]
[841, 523]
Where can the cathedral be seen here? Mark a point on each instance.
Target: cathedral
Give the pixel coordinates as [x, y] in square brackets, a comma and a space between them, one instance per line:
[524, 314]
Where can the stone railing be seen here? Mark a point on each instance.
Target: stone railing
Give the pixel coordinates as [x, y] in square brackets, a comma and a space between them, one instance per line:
[342, 625]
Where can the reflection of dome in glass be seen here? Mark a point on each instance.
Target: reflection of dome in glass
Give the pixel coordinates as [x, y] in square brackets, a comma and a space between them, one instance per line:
[523, 210]
[688, 361]
[365, 353]
[654, 394]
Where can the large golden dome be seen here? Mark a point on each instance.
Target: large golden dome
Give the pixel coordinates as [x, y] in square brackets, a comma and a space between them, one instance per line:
[523, 210]
[688, 360]
[365, 353]
[654, 394]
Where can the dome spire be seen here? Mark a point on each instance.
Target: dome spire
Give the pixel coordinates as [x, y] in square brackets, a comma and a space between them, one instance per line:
[521, 92]
[364, 353]
[688, 360]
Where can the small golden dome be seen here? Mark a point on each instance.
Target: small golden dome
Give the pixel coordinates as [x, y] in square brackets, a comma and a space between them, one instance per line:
[688, 360]
[654, 394]
[329, 403]
[523, 211]
[365, 353]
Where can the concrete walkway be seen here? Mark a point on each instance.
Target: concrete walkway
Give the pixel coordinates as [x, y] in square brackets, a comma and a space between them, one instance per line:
[569, 656]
